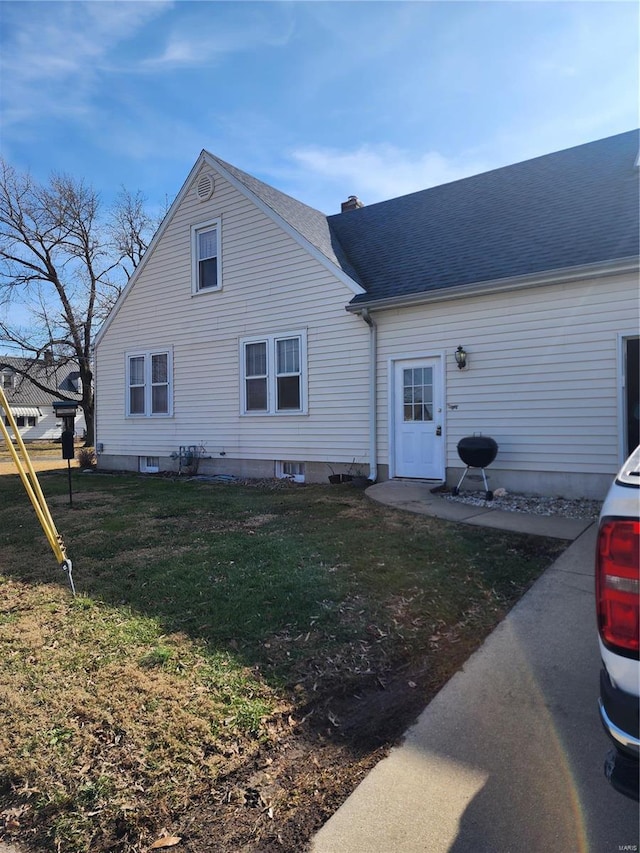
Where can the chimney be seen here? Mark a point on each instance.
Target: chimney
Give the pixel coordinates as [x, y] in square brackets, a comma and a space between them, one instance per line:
[48, 357]
[352, 203]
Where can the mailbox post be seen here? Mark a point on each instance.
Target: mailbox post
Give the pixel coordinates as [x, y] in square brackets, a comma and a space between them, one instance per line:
[67, 411]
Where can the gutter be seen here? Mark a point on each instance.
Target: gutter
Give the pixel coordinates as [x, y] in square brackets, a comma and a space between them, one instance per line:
[373, 396]
[558, 276]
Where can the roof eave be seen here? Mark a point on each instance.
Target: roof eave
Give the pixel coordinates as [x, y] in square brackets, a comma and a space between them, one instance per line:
[584, 272]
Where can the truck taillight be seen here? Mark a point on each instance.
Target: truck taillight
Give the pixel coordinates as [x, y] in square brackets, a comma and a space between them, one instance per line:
[618, 584]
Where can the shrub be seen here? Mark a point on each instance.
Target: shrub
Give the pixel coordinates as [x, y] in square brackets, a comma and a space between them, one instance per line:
[87, 457]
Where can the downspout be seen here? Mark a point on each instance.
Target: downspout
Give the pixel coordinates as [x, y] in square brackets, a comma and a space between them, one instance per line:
[373, 396]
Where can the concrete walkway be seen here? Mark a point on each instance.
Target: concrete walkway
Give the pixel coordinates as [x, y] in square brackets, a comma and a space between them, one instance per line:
[508, 756]
[417, 497]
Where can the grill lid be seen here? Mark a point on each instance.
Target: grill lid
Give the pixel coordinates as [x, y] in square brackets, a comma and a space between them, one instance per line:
[477, 451]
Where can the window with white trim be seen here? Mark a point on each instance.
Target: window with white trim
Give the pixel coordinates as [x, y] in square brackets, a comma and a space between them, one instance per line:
[149, 384]
[206, 270]
[8, 380]
[274, 374]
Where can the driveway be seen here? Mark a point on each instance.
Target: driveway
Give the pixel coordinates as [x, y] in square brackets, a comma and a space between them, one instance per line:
[508, 756]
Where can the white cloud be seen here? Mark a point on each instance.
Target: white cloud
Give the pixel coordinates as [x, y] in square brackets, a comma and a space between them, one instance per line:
[200, 39]
[192, 50]
[378, 172]
[51, 59]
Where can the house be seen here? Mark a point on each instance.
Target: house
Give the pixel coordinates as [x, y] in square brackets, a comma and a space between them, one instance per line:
[282, 342]
[32, 387]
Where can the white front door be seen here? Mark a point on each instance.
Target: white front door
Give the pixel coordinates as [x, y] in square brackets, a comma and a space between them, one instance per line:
[418, 442]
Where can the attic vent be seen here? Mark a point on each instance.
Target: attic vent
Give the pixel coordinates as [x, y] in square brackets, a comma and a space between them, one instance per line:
[204, 187]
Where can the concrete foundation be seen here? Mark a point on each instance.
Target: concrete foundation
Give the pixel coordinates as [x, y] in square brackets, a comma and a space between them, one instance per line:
[314, 472]
[545, 483]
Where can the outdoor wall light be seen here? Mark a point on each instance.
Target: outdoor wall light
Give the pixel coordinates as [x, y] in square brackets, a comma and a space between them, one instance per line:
[461, 357]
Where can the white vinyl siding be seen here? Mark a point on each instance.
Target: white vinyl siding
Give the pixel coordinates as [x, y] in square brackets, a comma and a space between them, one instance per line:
[206, 266]
[45, 426]
[541, 376]
[22, 421]
[148, 383]
[272, 286]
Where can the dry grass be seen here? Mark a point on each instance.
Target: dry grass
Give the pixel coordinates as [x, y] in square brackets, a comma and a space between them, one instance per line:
[235, 660]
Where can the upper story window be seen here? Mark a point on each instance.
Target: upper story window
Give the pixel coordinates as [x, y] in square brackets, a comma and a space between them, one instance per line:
[274, 374]
[8, 381]
[149, 384]
[206, 270]
[74, 383]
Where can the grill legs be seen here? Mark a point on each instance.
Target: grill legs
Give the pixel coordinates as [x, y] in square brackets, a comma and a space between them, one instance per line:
[488, 493]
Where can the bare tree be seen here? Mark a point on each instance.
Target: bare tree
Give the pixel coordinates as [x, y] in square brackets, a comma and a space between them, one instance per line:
[129, 227]
[62, 267]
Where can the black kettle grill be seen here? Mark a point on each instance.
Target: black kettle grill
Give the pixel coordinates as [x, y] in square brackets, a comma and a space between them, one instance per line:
[476, 451]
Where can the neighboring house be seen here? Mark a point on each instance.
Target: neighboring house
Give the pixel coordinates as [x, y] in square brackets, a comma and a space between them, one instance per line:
[32, 406]
[285, 342]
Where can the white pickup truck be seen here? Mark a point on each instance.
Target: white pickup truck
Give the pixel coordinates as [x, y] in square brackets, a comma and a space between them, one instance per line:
[618, 610]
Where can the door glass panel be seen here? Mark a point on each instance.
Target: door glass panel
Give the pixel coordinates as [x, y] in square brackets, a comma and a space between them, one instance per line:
[417, 394]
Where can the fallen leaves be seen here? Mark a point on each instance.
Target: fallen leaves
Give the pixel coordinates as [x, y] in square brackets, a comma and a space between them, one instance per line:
[165, 841]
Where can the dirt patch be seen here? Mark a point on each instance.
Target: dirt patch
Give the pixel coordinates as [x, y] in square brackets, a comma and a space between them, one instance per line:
[339, 720]
[7, 466]
[278, 797]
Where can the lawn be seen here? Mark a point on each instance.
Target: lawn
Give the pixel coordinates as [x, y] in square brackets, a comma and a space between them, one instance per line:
[236, 659]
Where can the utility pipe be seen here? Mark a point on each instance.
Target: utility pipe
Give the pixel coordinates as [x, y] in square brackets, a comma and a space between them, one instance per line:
[373, 394]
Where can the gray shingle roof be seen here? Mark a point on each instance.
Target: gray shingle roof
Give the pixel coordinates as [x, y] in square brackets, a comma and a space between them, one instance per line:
[307, 221]
[571, 208]
[58, 377]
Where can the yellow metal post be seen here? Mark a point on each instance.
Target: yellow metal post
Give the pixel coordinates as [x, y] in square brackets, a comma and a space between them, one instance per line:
[32, 487]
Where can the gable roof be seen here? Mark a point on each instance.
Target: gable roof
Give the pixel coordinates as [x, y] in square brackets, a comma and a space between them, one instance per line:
[572, 208]
[309, 227]
[308, 223]
[58, 377]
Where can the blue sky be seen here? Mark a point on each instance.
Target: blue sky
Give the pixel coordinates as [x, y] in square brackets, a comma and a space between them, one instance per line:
[320, 99]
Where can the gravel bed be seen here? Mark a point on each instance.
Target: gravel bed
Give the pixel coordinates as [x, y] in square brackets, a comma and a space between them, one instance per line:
[511, 502]
[503, 500]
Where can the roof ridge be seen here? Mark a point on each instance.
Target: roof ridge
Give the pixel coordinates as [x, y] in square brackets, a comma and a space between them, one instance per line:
[309, 222]
[497, 169]
[248, 179]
